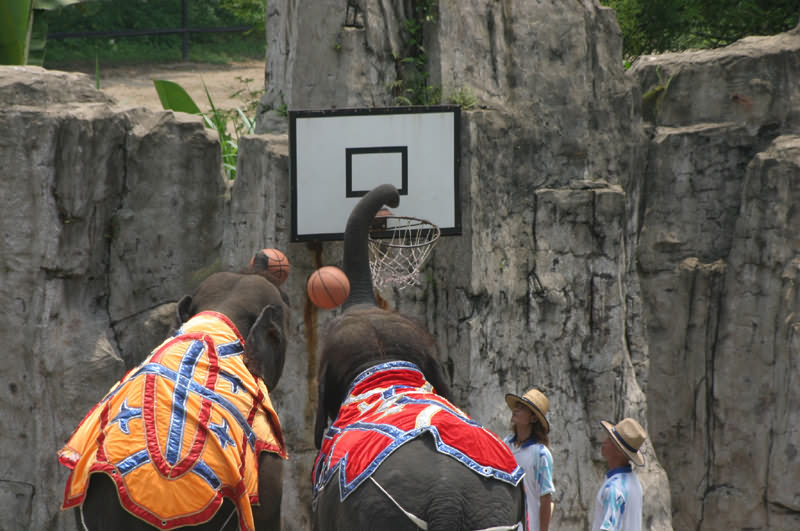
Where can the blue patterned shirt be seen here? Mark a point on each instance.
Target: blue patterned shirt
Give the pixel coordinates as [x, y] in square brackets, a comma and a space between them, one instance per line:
[618, 506]
[537, 462]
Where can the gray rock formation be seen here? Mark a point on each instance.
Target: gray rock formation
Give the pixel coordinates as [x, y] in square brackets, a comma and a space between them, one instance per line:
[550, 189]
[718, 256]
[332, 54]
[108, 215]
[625, 267]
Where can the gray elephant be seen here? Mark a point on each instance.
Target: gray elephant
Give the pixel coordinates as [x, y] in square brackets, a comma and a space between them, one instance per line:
[398, 454]
[190, 437]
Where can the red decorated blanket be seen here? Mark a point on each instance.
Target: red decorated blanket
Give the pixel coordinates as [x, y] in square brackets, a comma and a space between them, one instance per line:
[391, 404]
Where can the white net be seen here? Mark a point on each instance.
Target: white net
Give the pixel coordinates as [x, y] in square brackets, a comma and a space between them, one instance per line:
[398, 248]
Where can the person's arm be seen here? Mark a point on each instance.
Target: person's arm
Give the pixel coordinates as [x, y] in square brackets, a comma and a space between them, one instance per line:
[544, 475]
[545, 511]
[614, 503]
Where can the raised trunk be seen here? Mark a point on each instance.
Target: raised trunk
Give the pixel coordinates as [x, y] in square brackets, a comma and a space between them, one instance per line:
[356, 253]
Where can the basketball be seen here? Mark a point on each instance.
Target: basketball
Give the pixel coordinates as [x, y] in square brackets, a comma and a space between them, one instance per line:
[328, 287]
[273, 261]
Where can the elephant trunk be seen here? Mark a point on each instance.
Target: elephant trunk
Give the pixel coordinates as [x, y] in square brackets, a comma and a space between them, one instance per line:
[356, 251]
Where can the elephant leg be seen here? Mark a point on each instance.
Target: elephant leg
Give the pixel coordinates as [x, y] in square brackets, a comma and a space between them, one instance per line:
[366, 508]
[444, 493]
[102, 511]
[267, 514]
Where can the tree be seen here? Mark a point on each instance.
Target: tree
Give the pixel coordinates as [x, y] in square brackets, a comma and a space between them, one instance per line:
[653, 26]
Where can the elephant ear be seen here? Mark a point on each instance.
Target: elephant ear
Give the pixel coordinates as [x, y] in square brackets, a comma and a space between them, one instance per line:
[183, 311]
[436, 376]
[265, 345]
[321, 422]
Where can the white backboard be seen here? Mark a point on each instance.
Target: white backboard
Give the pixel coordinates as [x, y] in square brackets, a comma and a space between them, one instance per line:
[339, 155]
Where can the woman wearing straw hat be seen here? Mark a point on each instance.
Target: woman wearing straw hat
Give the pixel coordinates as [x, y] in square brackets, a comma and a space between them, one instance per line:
[618, 506]
[530, 445]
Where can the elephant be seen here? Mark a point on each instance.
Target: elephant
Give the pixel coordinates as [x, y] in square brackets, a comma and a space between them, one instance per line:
[377, 364]
[190, 437]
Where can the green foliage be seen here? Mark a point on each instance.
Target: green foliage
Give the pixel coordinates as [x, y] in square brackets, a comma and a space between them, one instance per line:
[249, 96]
[653, 26]
[229, 125]
[37, 39]
[337, 42]
[246, 11]
[464, 98]
[174, 97]
[416, 90]
[413, 86]
[652, 98]
[15, 20]
[111, 15]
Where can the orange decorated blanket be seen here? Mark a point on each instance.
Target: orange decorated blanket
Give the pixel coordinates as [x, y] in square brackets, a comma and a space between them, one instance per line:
[180, 432]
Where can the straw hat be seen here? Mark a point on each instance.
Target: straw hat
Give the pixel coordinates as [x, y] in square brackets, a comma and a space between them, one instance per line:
[535, 401]
[629, 437]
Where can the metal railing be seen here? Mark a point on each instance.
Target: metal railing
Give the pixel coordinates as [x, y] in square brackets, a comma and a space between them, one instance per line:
[184, 30]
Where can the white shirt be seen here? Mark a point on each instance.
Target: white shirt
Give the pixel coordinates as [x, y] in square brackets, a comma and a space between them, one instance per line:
[537, 462]
[618, 506]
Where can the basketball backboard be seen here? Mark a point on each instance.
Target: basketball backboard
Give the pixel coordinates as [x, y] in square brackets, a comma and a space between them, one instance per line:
[339, 155]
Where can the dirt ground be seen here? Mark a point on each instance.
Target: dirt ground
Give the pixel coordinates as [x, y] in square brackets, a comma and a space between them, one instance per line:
[133, 85]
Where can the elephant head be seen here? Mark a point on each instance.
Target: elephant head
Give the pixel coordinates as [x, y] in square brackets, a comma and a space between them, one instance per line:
[258, 308]
[366, 335]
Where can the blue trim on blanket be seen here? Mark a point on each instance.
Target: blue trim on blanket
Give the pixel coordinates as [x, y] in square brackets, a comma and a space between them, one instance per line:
[194, 387]
[133, 461]
[125, 415]
[405, 365]
[226, 350]
[204, 471]
[200, 468]
[400, 438]
[221, 430]
[180, 395]
[236, 384]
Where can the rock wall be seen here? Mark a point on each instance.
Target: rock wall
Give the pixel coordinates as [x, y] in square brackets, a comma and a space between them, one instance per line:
[626, 266]
[108, 214]
[718, 257]
[550, 193]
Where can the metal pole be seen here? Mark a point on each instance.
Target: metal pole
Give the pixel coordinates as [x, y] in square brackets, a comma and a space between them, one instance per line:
[185, 27]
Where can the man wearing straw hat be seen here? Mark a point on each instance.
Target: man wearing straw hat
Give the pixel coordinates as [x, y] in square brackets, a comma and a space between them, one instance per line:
[618, 506]
[530, 445]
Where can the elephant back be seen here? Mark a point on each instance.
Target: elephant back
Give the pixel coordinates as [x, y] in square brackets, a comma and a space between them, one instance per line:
[192, 418]
[391, 404]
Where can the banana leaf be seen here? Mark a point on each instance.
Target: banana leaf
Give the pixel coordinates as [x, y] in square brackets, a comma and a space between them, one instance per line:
[174, 98]
[23, 31]
[15, 22]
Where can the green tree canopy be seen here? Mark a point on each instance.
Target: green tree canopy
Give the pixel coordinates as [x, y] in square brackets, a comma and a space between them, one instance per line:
[653, 26]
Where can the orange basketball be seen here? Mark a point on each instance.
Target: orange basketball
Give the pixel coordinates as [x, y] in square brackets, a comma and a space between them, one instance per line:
[328, 287]
[276, 263]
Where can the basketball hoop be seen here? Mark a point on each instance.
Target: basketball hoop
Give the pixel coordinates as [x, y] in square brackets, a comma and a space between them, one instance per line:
[398, 248]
